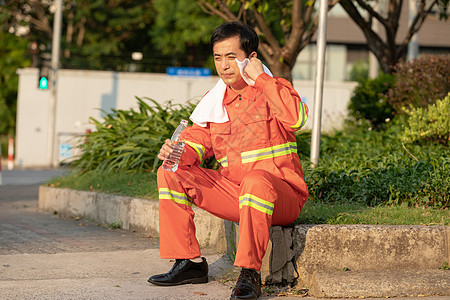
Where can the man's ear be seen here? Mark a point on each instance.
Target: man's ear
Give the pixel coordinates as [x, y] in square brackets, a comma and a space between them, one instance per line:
[253, 54]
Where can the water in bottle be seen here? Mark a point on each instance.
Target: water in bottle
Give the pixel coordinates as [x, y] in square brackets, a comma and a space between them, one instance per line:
[171, 162]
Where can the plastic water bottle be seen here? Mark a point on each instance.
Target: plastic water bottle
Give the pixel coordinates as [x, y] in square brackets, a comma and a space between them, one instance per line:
[171, 161]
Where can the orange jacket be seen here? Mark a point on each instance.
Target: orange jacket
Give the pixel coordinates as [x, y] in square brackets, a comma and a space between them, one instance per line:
[259, 135]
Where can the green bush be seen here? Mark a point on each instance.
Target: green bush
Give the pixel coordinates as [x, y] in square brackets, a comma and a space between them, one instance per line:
[359, 71]
[373, 168]
[129, 140]
[420, 82]
[431, 124]
[368, 104]
[424, 183]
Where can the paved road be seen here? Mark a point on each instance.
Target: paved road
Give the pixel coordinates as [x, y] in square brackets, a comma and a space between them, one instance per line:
[45, 256]
[20, 177]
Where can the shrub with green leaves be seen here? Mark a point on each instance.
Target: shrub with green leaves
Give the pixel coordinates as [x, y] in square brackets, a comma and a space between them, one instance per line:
[359, 71]
[373, 168]
[431, 123]
[422, 183]
[129, 140]
[368, 104]
[420, 82]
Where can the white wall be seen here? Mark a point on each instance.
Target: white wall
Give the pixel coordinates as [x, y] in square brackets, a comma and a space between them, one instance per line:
[81, 94]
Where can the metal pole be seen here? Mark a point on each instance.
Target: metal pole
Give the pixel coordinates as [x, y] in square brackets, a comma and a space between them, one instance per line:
[413, 46]
[56, 46]
[373, 62]
[318, 85]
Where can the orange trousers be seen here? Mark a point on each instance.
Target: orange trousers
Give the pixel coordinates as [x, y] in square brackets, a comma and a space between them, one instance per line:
[258, 202]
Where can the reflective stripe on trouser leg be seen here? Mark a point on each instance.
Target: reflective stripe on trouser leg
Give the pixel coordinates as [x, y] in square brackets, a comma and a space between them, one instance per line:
[176, 218]
[265, 200]
[179, 191]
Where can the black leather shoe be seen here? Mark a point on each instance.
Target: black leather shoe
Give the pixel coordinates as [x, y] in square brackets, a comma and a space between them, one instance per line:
[248, 285]
[184, 271]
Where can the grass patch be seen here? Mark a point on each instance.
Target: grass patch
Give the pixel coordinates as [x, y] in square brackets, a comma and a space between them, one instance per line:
[143, 185]
[319, 213]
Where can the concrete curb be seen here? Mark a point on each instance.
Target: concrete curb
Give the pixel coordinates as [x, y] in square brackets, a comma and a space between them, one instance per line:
[130, 213]
[332, 261]
[372, 261]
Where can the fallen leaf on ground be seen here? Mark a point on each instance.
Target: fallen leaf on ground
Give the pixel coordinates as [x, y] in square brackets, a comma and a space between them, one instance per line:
[200, 293]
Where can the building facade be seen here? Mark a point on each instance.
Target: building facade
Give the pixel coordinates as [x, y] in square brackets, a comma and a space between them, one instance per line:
[347, 45]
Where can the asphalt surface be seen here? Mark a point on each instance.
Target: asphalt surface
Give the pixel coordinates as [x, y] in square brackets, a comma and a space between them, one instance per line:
[45, 256]
[50, 256]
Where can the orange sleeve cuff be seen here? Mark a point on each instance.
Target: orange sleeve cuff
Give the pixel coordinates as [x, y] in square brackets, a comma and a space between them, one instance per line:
[189, 157]
[261, 81]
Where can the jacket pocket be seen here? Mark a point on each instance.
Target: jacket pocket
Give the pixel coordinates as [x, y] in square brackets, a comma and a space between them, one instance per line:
[256, 128]
[220, 138]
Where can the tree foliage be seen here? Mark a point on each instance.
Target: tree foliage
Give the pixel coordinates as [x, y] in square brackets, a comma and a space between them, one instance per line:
[383, 44]
[91, 29]
[182, 27]
[284, 27]
[12, 53]
[101, 31]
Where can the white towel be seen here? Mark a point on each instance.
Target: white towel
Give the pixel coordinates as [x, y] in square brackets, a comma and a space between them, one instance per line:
[211, 108]
[243, 64]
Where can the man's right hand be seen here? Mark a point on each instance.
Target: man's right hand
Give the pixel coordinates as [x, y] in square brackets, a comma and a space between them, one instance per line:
[165, 150]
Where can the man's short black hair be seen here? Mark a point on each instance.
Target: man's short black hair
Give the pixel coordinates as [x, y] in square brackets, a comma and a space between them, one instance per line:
[249, 38]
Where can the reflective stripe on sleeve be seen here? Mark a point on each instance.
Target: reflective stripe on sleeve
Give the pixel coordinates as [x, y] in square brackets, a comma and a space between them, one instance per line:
[256, 203]
[269, 152]
[223, 161]
[198, 148]
[180, 198]
[303, 116]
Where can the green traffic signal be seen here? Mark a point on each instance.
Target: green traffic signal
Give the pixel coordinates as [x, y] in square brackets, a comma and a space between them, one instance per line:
[44, 66]
[43, 83]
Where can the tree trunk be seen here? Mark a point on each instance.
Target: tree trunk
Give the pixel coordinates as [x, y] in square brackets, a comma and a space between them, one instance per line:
[281, 69]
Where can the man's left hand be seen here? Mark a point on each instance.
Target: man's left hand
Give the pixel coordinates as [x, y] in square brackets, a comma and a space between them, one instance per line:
[254, 68]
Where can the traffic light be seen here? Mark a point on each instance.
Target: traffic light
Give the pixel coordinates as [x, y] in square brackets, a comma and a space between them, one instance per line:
[44, 72]
[43, 81]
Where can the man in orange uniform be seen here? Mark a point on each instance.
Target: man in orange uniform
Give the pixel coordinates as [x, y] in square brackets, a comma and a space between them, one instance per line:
[260, 180]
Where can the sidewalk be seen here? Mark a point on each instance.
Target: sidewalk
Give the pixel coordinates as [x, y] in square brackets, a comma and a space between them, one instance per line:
[45, 256]
[27, 176]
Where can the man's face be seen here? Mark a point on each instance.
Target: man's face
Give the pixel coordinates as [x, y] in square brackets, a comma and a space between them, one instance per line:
[225, 52]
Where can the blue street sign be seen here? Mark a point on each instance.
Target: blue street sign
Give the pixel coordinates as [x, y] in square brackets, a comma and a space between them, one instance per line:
[65, 151]
[186, 71]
